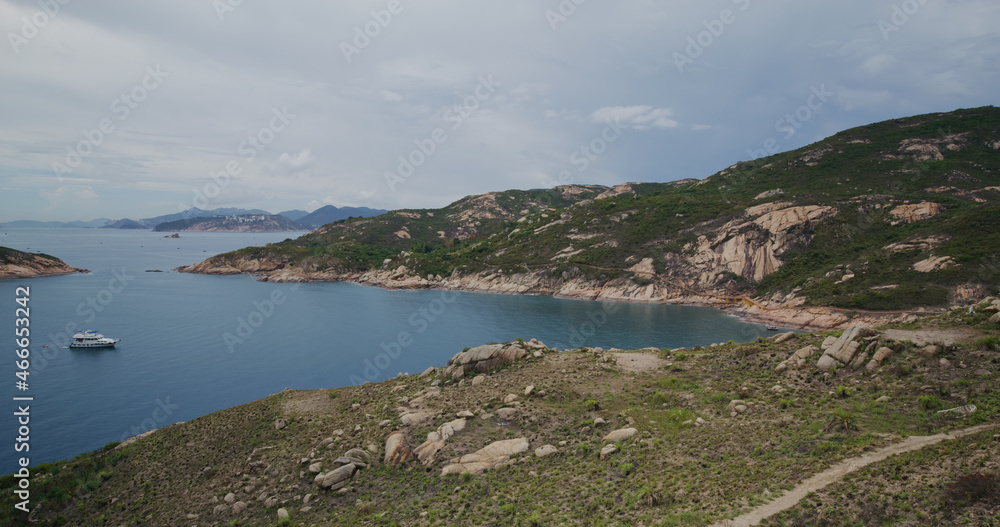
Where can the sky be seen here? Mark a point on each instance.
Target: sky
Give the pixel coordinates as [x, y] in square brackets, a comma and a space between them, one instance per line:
[135, 109]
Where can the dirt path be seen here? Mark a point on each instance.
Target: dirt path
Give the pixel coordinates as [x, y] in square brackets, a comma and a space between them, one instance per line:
[838, 471]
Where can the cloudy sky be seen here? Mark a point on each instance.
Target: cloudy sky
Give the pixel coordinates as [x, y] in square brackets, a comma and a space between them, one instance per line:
[128, 109]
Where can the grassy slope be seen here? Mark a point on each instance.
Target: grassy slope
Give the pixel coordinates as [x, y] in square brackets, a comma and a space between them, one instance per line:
[662, 218]
[670, 474]
[8, 255]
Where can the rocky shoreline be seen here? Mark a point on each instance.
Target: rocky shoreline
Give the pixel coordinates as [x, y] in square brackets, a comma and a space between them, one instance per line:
[17, 264]
[789, 313]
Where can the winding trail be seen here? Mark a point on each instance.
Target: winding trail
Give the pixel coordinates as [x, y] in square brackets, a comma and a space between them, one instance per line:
[838, 471]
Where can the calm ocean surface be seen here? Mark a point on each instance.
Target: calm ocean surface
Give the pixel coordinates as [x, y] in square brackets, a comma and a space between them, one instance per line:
[194, 344]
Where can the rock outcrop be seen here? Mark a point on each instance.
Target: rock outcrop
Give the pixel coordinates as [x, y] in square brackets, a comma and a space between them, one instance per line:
[491, 456]
[844, 349]
[484, 358]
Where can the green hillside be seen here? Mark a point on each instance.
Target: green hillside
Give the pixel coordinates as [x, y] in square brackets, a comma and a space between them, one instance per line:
[907, 210]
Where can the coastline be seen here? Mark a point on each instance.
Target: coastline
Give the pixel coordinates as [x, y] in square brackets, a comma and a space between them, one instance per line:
[792, 314]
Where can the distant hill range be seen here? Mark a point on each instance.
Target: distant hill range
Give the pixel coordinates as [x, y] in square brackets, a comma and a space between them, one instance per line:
[233, 223]
[330, 214]
[124, 224]
[297, 220]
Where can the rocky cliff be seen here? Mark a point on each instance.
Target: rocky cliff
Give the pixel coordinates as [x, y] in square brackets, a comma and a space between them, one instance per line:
[18, 264]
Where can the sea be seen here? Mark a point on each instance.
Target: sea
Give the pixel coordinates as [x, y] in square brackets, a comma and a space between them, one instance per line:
[195, 344]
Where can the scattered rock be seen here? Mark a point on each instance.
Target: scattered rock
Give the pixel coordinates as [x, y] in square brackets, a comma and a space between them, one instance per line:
[945, 363]
[428, 371]
[280, 423]
[620, 434]
[506, 413]
[229, 498]
[929, 351]
[734, 403]
[546, 450]
[883, 399]
[337, 478]
[509, 399]
[465, 414]
[316, 468]
[219, 509]
[529, 389]
[784, 337]
[860, 360]
[270, 502]
[995, 318]
[239, 507]
[282, 514]
[882, 354]
[207, 472]
[741, 409]
[608, 450]
[478, 379]
[599, 421]
[385, 423]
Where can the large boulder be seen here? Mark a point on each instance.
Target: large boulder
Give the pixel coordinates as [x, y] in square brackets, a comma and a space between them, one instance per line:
[337, 478]
[488, 357]
[844, 349]
[620, 435]
[494, 455]
[397, 449]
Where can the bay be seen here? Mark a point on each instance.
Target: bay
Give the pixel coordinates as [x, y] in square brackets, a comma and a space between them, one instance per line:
[195, 344]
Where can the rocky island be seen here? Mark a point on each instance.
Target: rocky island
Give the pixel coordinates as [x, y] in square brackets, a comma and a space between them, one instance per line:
[19, 264]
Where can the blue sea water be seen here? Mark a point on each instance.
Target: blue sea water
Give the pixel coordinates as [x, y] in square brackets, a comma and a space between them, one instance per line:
[195, 344]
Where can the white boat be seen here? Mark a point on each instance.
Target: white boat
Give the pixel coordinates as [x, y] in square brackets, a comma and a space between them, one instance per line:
[92, 339]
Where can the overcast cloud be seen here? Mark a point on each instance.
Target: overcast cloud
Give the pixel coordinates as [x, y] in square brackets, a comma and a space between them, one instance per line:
[127, 109]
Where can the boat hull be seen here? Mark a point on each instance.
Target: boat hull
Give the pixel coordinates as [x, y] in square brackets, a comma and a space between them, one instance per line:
[93, 344]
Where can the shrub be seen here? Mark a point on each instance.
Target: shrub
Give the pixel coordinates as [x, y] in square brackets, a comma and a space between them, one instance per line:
[989, 343]
[930, 403]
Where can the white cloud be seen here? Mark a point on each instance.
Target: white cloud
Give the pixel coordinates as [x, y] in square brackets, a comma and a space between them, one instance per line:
[637, 117]
[298, 161]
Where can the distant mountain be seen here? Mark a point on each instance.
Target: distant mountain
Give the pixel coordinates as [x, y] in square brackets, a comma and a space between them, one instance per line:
[125, 224]
[294, 215]
[32, 224]
[92, 224]
[233, 223]
[199, 213]
[330, 214]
